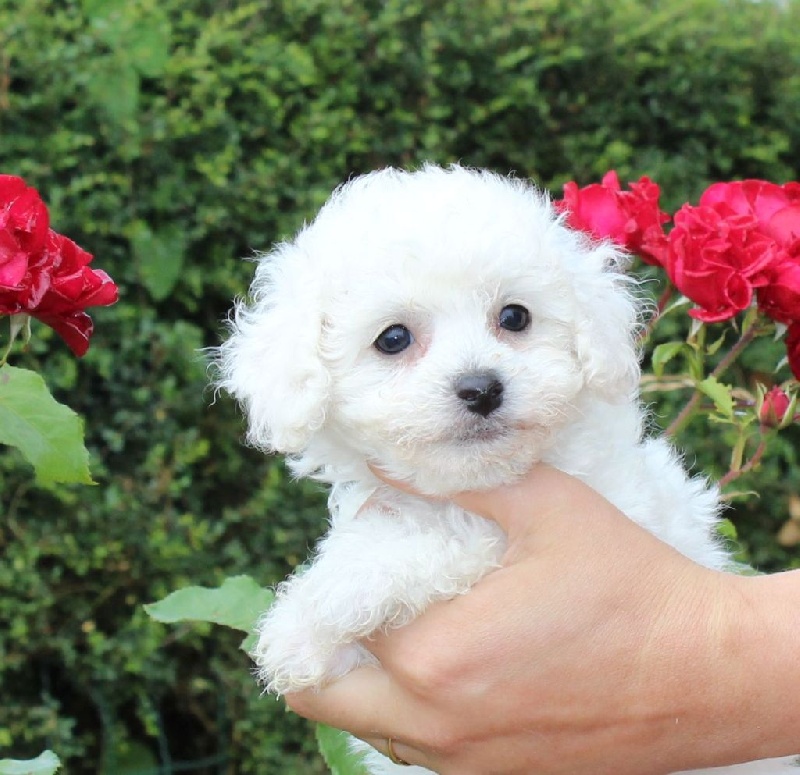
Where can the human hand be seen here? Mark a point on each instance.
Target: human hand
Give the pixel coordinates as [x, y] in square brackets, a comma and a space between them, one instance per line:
[595, 647]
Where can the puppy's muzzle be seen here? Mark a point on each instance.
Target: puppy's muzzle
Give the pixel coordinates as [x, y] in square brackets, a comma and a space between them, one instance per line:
[481, 393]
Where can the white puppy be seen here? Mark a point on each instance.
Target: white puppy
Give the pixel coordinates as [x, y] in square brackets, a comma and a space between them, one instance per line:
[447, 327]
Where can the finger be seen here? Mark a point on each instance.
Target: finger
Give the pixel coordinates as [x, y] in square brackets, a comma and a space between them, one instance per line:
[398, 752]
[365, 702]
[397, 484]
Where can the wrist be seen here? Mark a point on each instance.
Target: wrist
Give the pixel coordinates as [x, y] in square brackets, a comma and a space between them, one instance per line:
[742, 673]
[768, 633]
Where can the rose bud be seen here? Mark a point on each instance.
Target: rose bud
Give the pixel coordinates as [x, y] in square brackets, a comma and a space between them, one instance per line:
[775, 408]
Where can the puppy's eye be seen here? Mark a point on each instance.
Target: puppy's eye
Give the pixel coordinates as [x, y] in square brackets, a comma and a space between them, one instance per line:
[514, 317]
[394, 339]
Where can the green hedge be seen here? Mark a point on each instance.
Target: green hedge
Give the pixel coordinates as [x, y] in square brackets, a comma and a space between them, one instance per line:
[171, 138]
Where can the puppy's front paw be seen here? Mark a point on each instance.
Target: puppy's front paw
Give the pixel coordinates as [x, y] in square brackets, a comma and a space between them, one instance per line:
[295, 650]
[288, 655]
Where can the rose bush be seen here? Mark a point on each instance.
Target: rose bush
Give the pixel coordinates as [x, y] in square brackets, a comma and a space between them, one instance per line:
[739, 245]
[43, 275]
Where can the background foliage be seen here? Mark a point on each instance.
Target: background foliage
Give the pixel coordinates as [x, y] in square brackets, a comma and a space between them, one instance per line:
[171, 138]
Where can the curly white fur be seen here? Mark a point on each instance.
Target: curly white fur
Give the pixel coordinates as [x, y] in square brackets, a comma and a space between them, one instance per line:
[442, 252]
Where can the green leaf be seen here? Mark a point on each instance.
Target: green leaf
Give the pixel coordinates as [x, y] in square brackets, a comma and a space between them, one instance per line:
[49, 434]
[663, 354]
[159, 256]
[335, 750]
[714, 346]
[694, 359]
[720, 394]
[44, 764]
[238, 604]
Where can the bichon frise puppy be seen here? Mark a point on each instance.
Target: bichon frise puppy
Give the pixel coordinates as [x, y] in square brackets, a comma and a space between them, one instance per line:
[445, 326]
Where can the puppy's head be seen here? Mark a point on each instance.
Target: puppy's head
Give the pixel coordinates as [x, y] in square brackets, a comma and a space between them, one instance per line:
[442, 324]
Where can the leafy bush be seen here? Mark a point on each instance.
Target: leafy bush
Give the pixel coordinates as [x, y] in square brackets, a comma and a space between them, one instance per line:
[173, 137]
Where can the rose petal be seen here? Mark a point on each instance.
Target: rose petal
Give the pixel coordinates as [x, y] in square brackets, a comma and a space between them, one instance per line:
[780, 298]
[784, 225]
[75, 329]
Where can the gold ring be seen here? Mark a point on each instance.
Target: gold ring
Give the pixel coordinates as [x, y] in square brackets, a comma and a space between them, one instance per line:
[395, 759]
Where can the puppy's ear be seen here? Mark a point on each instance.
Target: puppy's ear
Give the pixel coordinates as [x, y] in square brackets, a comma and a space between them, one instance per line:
[271, 362]
[607, 321]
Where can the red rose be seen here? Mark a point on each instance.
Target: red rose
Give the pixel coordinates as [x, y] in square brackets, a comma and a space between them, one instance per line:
[775, 213]
[595, 209]
[632, 218]
[42, 273]
[775, 208]
[717, 261]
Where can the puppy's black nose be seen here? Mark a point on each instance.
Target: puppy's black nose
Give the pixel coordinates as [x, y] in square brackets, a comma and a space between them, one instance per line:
[482, 393]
